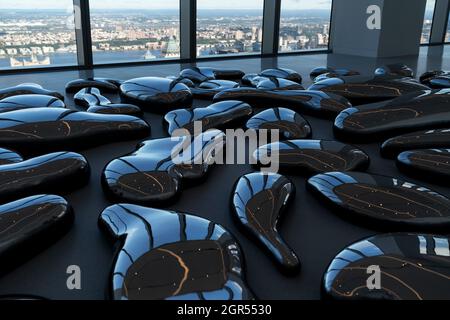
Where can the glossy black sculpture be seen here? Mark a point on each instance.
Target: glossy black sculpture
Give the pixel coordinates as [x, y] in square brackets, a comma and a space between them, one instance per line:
[8, 157]
[411, 112]
[282, 73]
[396, 69]
[258, 201]
[157, 95]
[272, 83]
[412, 266]
[428, 164]
[309, 157]
[154, 172]
[335, 72]
[166, 255]
[290, 124]
[439, 138]
[185, 81]
[360, 90]
[208, 89]
[34, 131]
[436, 79]
[219, 115]
[54, 172]
[29, 225]
[201, 74]
[103, 84]
[317, 103]
[29, 101]
[92, 99]
[381, 201]
[28, 88]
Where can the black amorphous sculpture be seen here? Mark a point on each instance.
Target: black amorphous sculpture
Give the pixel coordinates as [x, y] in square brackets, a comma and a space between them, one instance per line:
[219, 115]
[166, 255]
[411, 112]
[28, 88]
[382, 201]
[185, 81]
[427, 164]
[361, 90]
[410, 267]
[8, 157]
[282, 73]
[436, 79]
[50, 129]
[28, 101]
[289, 124]
[154, 172]
[438, 138]
[157, 95]
[308, 157]
[396, 69]
[258, 201]
[29, 225]
[208, 89]
[55, 172]
[201, 74]
[270, 83]
[104, 84]
[336, 72]
[317, 103]
[92, 99]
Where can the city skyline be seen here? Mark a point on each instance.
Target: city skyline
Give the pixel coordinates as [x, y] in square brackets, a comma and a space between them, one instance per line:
[162, 4]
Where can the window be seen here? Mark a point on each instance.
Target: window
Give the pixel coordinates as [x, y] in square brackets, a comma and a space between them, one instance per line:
[428, 21]
[134, 30]
[229, 27]
[37, 34]
[304, 25]
[447, 34]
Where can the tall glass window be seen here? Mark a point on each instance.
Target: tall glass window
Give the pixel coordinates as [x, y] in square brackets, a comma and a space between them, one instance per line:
[304, 25]
[37, 34]
[134, 30]
[229, 27]
[428, 21]
[447, 34]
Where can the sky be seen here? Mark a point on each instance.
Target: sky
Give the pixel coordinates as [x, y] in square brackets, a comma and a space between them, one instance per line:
[161, 4]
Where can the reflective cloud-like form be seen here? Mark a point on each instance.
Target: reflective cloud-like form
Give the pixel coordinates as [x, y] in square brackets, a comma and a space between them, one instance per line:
[436, 79]
[221, 115]
[419, 110]
[426, 164]
[201, 74]
[54, 172]
[29, 101]
[316, 103]
[289, 123]
[28, 88]
[410, 267]
[30, 225]
[104, 84]
[157, 95]
[308, 157]
[38, 130]
[258, 201]
[92, 99]
[165, 255]
[438, 138]
[362, 90]
[382, 202]
[154, 172]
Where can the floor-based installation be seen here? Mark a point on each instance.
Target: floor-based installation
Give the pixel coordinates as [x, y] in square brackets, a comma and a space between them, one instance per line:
[162, 253]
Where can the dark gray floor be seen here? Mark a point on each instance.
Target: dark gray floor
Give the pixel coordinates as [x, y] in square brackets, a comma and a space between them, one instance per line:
[314, 232]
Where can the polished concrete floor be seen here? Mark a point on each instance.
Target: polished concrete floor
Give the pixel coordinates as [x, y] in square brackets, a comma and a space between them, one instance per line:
[313, 231]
